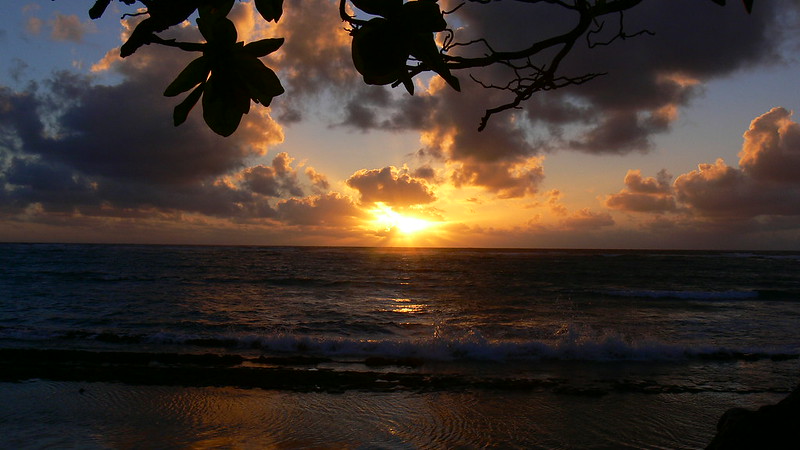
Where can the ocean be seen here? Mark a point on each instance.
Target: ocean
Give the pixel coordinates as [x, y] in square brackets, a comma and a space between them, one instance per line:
[132, 346]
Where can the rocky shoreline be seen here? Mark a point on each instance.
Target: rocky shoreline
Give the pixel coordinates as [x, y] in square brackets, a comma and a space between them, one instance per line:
[770, 427]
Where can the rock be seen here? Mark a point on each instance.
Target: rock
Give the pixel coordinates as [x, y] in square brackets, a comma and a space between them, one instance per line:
[772, 426]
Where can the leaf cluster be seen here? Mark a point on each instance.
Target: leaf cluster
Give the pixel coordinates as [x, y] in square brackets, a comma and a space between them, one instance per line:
[228, 75]
[382, 46]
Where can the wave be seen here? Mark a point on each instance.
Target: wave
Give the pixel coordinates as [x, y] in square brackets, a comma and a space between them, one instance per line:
[569, 345]
[685, 295]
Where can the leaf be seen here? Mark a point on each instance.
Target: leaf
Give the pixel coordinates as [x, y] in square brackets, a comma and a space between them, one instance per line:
[224, 103]
[270, 9]
[385, 8]
[166, 13]
[194, 73]
[261, 82]
[181, 112]
[748, 5]
[423, 47]
[263, 47]
[141, 35]
[380, 52]
[423, 15]
[99, 8]
[218, 31]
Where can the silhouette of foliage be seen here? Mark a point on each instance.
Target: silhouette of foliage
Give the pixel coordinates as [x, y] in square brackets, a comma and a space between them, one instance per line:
[388, 49]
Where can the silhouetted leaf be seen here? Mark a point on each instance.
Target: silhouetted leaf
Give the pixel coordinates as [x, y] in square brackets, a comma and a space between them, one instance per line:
[380, 52]
[221, 31]
[224, 103]
[748, 5]
[263, 47]
[140, 36]
[99, 8]
[408, 84]
[423, 15]
[261, 82]
[166, 13]
[192, 75]
[423, 47]
[385, 8]
[270, 9]
[181, 112]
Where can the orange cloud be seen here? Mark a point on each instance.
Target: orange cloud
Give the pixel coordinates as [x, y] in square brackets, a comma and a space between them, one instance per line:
[509, 179]
[765, 183]
[644, 194]
[391, 186]
[771, 150]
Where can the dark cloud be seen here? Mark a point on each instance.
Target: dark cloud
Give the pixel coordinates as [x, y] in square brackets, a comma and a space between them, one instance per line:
[318, 180]
[506, 179]
[425, 172]
[649, 78]
[72, 146]
[394, 187]
[276, 181]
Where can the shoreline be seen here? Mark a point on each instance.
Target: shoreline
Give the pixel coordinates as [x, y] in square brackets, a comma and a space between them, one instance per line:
[306, 374]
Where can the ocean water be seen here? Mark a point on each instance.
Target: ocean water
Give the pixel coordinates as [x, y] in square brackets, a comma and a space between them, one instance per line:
[109, 346]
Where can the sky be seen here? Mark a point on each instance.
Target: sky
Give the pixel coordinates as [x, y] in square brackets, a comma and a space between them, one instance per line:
[689, 140]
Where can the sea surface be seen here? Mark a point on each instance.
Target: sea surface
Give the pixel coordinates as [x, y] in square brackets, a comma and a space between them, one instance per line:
[130, 346]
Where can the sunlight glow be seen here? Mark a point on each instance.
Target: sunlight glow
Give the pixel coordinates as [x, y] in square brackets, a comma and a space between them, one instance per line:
[390, 220]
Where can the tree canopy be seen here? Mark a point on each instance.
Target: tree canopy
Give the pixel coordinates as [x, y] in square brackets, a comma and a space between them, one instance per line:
[392, 42]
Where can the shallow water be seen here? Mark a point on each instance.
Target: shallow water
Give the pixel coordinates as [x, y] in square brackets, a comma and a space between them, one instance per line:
[40, 414]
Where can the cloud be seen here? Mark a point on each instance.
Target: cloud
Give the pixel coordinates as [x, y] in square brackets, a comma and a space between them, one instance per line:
[648, 80]
[586, 219]
[34, 25]
[763, 188]
[771, 150]
[391, 186]
[71, 146]
[280, 179]
[641, 194]
[68, 28]
[318, 180]
[331, 210]
[508, 179]
[766, 182]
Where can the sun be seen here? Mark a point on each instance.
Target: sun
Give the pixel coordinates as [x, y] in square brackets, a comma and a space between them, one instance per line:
[390, 220]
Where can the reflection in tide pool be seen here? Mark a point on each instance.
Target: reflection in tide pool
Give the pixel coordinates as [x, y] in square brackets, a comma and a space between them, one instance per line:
[105, 415]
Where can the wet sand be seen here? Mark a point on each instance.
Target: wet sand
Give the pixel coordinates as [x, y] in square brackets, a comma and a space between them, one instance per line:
[42, 413]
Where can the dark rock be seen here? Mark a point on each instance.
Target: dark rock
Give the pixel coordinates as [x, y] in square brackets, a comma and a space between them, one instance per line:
[772, 426]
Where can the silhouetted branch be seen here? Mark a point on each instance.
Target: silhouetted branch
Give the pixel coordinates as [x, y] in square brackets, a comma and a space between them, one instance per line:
[186, 46]
[529, 78]
[620, 33]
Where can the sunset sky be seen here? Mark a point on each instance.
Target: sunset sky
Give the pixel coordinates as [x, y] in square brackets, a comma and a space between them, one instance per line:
[688, 142]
